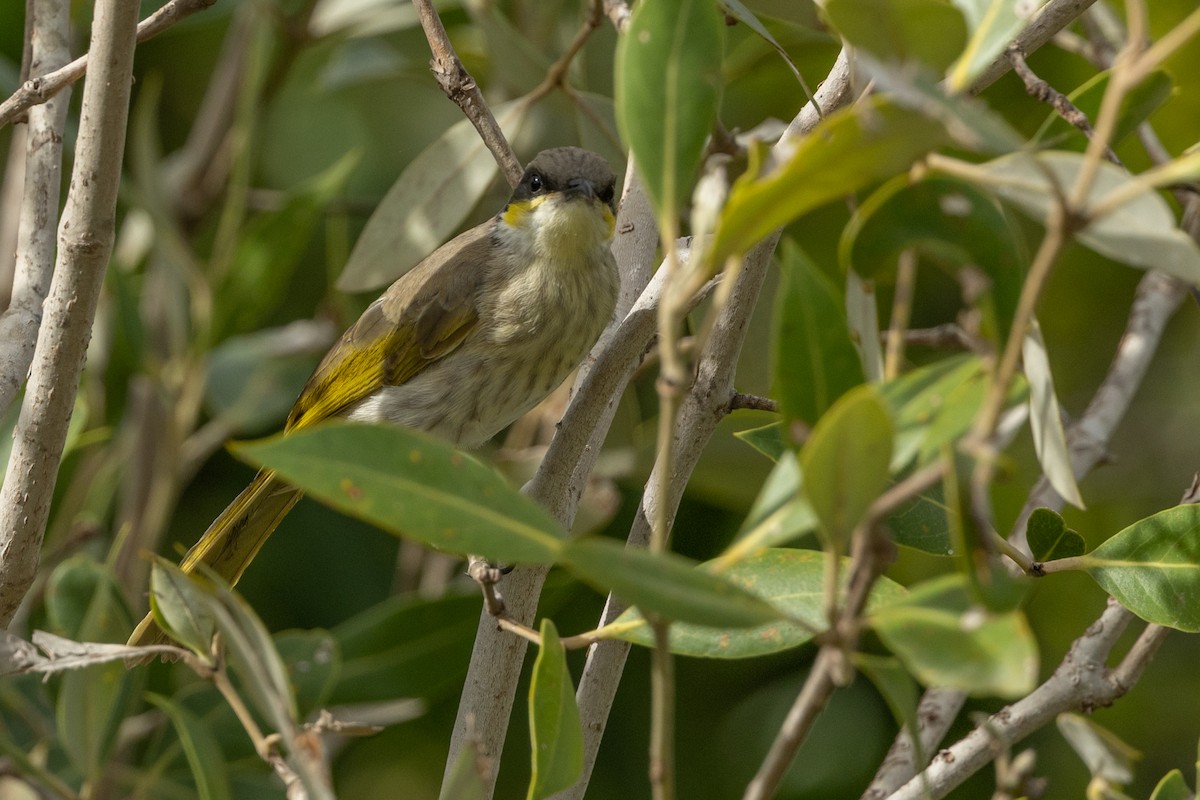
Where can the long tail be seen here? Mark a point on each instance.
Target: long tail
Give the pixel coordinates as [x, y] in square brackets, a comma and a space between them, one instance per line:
[234, 538]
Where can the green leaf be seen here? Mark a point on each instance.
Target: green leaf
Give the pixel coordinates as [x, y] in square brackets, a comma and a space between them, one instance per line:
[406, 647]
[779, 514]
[946, 641]
[948, 222]
[917, 397]
[847, 150]
[270, 249]
[791, 580]
[1172, 787]
[668, 73]
[993, 24]
[1045, 418]
[898, 31]
[427, 203]
[313, 663]
[846, 462]
[1049, 537]
[665, 584]
[555, 730]
[200, 746]
[815, 360]
[1141, 233]
[959, 410]
[179, 609]
[1136, 107]
[923, 524]
[1153, 567]
[767, 440]
[413, 485]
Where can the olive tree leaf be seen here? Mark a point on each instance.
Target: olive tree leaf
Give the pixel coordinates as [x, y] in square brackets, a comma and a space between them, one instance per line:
[1153, 567]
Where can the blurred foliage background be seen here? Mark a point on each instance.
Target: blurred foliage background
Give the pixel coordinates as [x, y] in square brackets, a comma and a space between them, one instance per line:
[254, 239]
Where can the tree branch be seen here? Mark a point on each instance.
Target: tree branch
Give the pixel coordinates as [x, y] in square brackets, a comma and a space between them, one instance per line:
[50, 26]
[39, 90]
[1081, 681]
[84, 244]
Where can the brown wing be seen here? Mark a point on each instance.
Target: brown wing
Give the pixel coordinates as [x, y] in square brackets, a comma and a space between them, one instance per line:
[423, 316]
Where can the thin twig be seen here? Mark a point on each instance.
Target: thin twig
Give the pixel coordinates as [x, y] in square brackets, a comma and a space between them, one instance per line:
[752, 402]
[39, 90]
[1043, 92]
[460, 87]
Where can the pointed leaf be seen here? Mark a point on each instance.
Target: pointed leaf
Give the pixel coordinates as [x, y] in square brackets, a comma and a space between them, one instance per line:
[667, 81]
[791, 580]
[413, 485]
[815, 360]
[846, 462]
[1172, 787]
[1141, 233]
[667, 585]
[767, 440]
[1153, 567]
[847, 150]
[1049, 438]
[1049, 537]
[555, 730]
[427, 203]
[175, 601]
[946, 641]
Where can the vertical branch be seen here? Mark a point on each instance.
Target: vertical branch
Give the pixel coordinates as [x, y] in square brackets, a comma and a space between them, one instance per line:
[49, 26]
[85, 242]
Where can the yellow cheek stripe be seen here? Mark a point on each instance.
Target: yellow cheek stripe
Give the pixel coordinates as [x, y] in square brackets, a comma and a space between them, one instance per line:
[515, 213]
[609, 220]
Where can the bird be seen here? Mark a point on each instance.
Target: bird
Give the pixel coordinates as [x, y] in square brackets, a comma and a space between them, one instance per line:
[460, 346]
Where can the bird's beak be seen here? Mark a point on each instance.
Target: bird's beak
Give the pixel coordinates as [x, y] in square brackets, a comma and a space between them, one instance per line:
[580, 187]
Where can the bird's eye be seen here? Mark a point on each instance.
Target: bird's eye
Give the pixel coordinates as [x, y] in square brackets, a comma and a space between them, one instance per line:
[605, 194]
[535, 183]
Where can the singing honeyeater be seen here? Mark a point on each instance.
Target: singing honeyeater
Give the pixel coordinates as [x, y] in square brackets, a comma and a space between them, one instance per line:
[467, 341]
